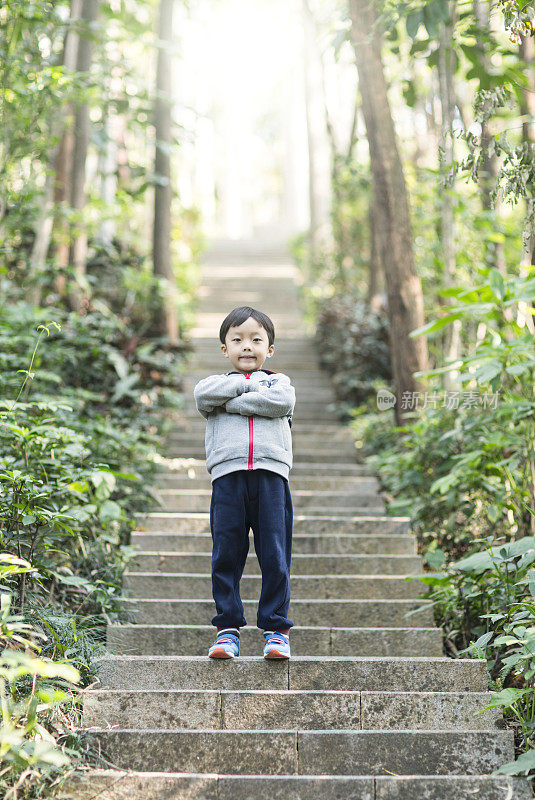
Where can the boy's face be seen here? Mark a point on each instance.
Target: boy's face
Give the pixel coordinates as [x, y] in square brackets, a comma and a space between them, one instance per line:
[247, 346]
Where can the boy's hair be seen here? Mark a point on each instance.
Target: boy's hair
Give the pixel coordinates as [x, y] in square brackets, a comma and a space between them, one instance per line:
[239, 315]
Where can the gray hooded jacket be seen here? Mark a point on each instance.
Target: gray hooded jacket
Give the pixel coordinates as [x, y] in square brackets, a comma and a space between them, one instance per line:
[254, 432]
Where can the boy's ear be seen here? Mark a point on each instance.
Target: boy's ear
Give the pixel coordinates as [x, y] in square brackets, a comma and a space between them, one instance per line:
[224, 350]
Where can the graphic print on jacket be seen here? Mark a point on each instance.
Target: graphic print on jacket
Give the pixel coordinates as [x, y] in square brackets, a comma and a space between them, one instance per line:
[254, 432]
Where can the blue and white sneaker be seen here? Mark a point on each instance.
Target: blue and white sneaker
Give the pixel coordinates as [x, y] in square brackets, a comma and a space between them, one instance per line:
[276, 644]
[226, 645]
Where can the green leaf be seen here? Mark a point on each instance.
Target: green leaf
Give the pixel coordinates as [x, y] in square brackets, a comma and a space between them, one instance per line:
[505, 698]
[435, 558]
[497, 284]
[434, 13]
[119, 362]
[444, 483]
[494, 513]
[486, 372]
[483, 640]
[74, 580]
[524, 764]
[109, 511]
[435, 325]
[413, 22]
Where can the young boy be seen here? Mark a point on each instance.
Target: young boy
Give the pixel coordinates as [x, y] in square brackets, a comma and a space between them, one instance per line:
[249, 457]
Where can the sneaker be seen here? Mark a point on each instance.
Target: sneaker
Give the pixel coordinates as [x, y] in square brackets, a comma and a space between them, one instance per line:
[276, 645]
[226, 645]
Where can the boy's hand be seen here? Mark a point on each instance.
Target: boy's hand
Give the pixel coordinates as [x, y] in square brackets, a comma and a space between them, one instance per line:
[263, 389]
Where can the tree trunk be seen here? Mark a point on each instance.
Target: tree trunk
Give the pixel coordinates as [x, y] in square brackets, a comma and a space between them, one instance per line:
[447, 107]
[162, 265]
[45, 221]
[405, 301]
[82, 126]
[107, 171]
[377, 247]
[488, 173]
[63, 158]
[527, 54]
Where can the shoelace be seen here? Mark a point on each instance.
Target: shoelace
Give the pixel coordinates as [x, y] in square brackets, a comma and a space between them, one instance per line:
[223, 639]
[276, 638]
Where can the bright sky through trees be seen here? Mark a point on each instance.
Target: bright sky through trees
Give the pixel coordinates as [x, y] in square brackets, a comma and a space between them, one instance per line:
[240, 87]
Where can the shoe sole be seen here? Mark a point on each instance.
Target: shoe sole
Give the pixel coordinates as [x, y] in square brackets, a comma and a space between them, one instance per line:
[220, 653]
[276, 654]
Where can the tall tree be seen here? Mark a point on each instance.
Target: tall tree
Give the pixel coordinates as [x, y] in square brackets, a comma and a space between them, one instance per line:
[527, 54]
[60, 161]
[488, 172]
[447, 106]
[161, 243]
[63, 156]
[82, 123]
[404, 290]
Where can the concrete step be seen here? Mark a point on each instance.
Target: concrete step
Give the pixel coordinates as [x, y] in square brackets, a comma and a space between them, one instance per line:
[299, 373]
[198, 466]
[358, 485]
[307, 391]
[316, 510]
[338, 613]
[375, 674]
[309, 415]
[120, 785]
[339, 503]
[302, 543]
[361, 564]
[320, 445]
[324, 752]
[196, 426]
[361, 495]
[194, 640]
[172, 585]
[367, 708]
[319, 439]
[287, 709]
[303, 456]
[186, 522]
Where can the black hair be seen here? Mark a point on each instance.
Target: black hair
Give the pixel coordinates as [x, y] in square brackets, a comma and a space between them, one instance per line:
[239, 315]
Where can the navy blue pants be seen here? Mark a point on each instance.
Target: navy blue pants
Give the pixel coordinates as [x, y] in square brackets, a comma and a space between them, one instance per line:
[258, 499]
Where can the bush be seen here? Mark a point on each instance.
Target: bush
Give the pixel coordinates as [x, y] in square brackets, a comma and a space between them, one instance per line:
[77, 459]
[353, 346]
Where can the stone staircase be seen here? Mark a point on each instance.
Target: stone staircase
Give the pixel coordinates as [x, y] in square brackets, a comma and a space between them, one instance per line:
[368, 707]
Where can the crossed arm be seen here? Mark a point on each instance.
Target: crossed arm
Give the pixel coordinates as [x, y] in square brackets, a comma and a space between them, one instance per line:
[240, 395]
[215, 390]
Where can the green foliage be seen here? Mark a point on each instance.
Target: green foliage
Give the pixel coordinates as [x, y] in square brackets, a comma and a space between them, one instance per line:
[76, 462]
[35, 693]
[353, 347]
[486, 605]
[344, 267]
[519, 18]
[464, 471]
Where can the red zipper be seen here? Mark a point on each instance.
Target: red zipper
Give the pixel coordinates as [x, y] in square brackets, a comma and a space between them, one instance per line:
[250, 462]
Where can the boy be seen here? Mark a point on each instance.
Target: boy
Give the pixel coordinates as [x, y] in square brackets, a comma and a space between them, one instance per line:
[249, 457]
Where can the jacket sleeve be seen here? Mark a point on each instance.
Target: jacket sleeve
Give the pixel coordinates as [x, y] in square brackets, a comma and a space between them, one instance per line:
[217, 389]
[277, 400]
